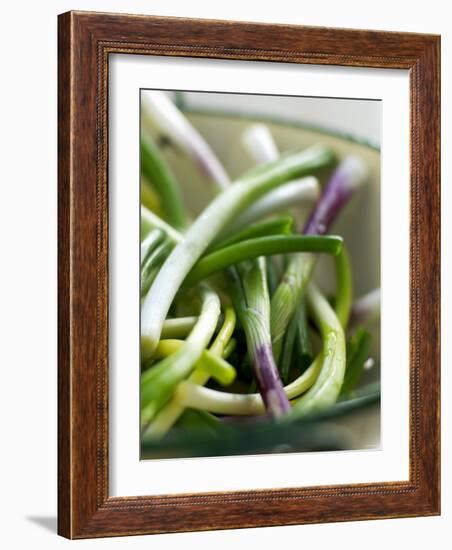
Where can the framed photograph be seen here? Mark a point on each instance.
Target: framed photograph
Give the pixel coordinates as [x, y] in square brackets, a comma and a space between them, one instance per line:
[248, 275]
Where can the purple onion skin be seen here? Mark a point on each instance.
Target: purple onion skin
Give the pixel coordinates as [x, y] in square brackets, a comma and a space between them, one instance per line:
[269, 382]
[346, 178]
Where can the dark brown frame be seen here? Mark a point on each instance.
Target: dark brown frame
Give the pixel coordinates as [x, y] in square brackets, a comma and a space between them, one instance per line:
[85, 41]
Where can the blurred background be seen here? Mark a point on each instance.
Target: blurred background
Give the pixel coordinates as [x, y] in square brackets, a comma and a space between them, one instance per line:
[359, 118]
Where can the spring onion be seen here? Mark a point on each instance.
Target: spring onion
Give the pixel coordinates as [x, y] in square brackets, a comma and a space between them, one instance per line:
[350, 175]
[261, 246]
[158, 172]
[159, 382]
[159, 111]
[286, 196]
[252, 302]
[327, 387]
[172, 411]
[207, 226]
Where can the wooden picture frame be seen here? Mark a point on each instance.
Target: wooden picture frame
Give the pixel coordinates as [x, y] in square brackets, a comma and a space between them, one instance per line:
[85, 42]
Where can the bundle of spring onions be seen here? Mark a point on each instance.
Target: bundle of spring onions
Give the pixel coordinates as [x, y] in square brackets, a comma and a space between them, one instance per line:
[240, 350]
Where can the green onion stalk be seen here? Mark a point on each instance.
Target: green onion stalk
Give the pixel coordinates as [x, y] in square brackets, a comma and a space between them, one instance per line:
[150, 242]
[152, 264]
[326, 389]
[286, 196]
[319, 385]
[259, 142]
[343, 302]
[364, 396]
[329, 325]
[169, 414]
[303, 342]
[357, 355]
[252, 302]
[261, 246]
[210, 362]
[208, 225]
[159, 173]
[150, 221]
[160, 113]
[281, 225]
[159, 381]
[149, 197]
[350, 175]
[178, 327]
[288, 348]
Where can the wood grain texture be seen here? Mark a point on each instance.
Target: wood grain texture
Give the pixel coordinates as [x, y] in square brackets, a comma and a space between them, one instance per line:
[64, 295]
[85, 42]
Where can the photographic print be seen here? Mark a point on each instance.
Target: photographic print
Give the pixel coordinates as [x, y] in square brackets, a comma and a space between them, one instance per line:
[259, 274]
[231, 198]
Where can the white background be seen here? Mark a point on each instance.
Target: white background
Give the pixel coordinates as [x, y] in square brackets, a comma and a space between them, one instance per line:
[28, 274]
